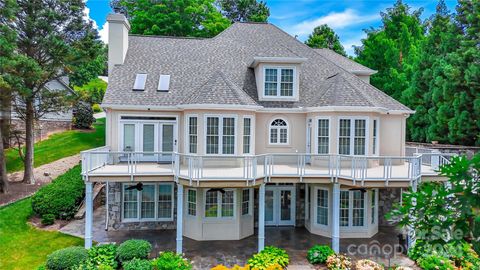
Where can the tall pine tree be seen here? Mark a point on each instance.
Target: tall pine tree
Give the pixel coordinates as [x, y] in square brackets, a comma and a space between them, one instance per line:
[393, 48]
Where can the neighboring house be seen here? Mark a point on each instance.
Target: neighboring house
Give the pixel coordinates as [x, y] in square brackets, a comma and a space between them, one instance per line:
[222, 136]
[50, 122]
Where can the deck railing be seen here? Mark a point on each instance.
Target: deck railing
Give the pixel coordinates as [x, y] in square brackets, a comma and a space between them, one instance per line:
[103, 162]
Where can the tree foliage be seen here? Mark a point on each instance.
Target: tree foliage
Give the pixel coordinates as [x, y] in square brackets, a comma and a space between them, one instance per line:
[188, 18]
[324, 37]
[244, 10]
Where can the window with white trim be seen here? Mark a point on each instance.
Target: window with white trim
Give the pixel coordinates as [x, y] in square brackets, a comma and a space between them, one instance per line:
[352, 136]
[152, 202]
[247, 135]
[192, 202]
[192, 134]
[246, 202]
[323, 138]
[219, 203]
[375, 137]
[278, 132]
[279, 82]
[322, 206]
[220, 135]
[352, 208]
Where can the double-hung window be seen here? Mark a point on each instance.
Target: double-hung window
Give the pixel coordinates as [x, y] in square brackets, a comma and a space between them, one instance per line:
[220, 135]
[192, 134]
[375, 137]
[352, 137]
[279, 82]
[322, 207]
[323, 138]
[247, 135]
[192, 202]
[352, 208]
[278, 132]
[219, 203]
[246, 202]
[151, 202]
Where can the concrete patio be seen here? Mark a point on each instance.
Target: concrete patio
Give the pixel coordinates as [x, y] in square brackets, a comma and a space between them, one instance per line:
[206, 254]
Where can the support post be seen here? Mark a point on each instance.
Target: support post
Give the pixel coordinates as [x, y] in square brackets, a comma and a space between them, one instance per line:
[88, 214]
[261, 218]
[336, 218]
[179, 218]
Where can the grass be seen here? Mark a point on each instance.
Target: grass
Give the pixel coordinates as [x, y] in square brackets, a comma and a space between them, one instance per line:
[60, 145]
[23, 246]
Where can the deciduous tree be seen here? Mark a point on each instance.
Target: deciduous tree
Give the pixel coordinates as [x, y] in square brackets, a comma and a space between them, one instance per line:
[324, 37]
[244, 10]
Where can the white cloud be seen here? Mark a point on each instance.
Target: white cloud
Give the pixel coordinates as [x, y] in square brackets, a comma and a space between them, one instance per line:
[103, 33]
[348, 44]
[336, 20]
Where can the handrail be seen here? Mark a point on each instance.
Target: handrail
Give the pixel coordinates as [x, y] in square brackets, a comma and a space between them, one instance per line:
[195, 167]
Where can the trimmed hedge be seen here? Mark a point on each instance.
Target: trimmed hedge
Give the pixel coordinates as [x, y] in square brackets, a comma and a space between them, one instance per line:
[67, 258]
[61, 197]
[137, 264]
[133, 248]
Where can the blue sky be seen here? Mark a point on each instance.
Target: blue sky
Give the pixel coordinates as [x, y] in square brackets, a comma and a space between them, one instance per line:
[299, 17]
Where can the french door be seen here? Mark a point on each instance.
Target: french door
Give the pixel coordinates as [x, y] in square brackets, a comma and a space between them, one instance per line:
[148, 137]
[280, 205]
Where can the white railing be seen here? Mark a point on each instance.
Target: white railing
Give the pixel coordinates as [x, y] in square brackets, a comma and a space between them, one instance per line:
[195, 168]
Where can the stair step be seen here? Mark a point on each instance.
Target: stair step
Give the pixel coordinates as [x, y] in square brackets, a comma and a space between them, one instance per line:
[81, 210]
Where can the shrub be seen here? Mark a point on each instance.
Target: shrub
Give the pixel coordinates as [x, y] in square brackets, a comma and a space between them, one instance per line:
[102, 256]
[476, 235]
[319, 254]
[61, 197]
[171, 261]
[368, 265]
[83, 115]
[339, 262]
[137, 264]
[463, 255]
[48, 219]
[435, 262]
[133, 248]
[67, 258]
[269, 257]
[96, 108]
[235, 267]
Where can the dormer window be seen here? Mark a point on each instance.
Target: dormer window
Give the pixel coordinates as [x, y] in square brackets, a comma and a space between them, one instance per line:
[279, 82]
[140, 80]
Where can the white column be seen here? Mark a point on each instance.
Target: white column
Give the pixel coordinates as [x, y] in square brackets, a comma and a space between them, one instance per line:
[179, 218]
[261, 217]
[336, 218]
[88, 214]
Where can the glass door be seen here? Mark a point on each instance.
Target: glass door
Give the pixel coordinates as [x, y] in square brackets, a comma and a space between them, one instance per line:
[168, 141]
[280, 206]
[148, 142]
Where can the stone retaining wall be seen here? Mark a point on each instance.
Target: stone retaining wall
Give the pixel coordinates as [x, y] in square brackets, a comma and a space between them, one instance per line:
[43, 128]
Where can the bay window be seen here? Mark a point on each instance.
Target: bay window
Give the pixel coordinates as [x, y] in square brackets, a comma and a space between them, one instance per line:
[246, 202]
[192, 202]
[192, 134]
[219, 203]
[247, 135]
[323, 136]
[352, 208]
[152, 202]
[352, 136]
[220, 135]
[322, 207]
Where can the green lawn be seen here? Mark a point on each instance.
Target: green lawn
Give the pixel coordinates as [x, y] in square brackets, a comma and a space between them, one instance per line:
[23, 246]
[60, 145]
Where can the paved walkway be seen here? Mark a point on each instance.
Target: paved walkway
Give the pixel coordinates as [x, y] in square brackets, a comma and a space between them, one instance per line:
[43, 175]
[206, 254]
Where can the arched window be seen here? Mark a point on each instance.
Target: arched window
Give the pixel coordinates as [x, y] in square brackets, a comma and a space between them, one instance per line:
[278, 132]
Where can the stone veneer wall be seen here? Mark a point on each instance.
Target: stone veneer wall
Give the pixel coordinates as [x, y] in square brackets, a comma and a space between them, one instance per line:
[386, 198]
[300, 205]
[115, 214]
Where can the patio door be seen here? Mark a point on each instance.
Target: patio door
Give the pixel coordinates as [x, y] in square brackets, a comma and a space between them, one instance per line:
[280, 206]
[168, 141]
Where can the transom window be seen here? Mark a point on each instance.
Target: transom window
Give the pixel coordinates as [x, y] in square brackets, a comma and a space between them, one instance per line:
[279, 132]
[152, 202]
[352, 208]
[352, 137]
[279, 82]
[323, 133]
[220, 135]
[219, 203]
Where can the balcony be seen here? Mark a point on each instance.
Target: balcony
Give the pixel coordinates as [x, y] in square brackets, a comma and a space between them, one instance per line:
[359, 170]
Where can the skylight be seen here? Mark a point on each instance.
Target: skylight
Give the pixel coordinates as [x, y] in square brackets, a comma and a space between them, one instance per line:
[140, 82]
[164, 83]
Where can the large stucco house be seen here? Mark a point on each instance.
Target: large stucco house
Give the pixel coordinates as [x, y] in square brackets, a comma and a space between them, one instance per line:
[216, 138]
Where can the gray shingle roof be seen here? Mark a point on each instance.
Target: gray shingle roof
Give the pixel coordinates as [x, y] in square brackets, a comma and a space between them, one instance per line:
[217, 71]
[344, 62]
